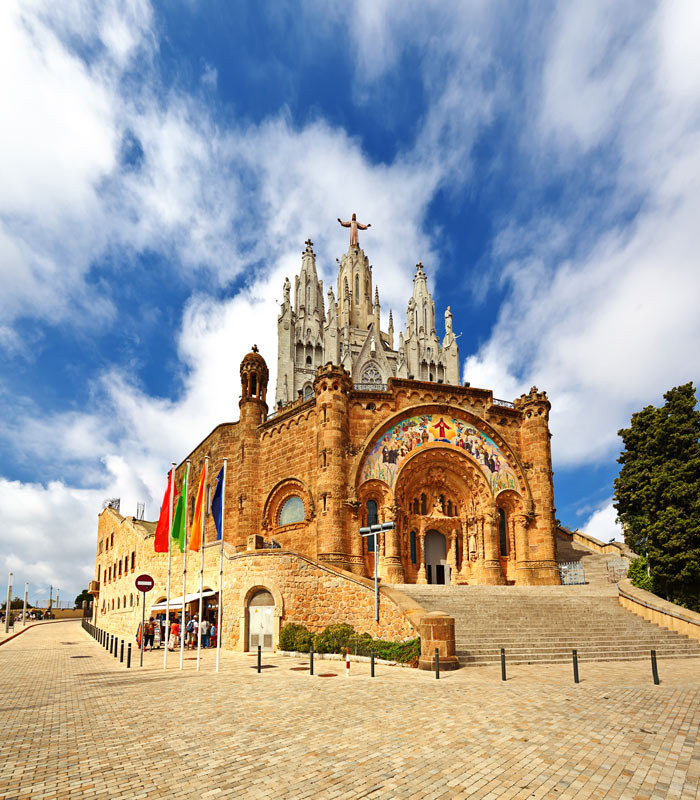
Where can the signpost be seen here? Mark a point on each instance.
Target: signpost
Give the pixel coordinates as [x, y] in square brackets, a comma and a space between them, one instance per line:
[373, 530]
[144, 583]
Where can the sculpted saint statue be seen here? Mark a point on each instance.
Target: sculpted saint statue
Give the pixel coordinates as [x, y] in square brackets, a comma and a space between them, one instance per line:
[287, 287]
[354, 226]
[449, 335]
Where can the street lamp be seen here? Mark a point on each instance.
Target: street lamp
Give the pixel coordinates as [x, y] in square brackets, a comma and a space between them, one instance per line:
[373, 530]
[9, 603]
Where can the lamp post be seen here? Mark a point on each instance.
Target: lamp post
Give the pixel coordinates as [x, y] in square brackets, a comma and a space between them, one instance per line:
[24, 609]
[9, 602]
[373, 530]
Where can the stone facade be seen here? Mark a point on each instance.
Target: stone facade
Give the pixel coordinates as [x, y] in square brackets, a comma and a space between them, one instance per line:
[465, 477]
[350, 333]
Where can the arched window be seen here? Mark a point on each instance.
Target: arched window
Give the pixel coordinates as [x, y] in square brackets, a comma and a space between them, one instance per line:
[117, 604]
[502, 532]
[131, 599]
[423, 504]
[449, 508]
[413, 547]
[357, 288]
[292, 511]
[253, 385]
[124, 602]
[308, 360]
[308, 391]
[372, 519]
[416, 506]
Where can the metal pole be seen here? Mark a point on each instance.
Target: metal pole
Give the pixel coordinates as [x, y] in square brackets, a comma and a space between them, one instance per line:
[58, 602]
[371, 662]
[143, 623]
[376, 590]
[167, 588]
[8, 604]
[128, 656]
[575, 657]
[437, 663]
[50, 597]
[24, 609]
[201, 559]
[503, 664]
[654, 670]
[311, 659]
[221, 569]
[183, 615]
[259, 658]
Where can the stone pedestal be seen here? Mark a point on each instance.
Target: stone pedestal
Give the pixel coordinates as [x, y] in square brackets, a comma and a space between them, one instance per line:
[437, 630]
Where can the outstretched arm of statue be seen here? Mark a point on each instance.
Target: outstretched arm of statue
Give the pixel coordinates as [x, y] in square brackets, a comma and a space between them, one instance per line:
[344, 224]
[364, 227]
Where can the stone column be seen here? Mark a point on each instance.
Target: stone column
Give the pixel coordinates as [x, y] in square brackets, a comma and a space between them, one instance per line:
[492, 566]
[393, 566]
[521, 554]
[452, 556]
[422, 576]
[465, 569]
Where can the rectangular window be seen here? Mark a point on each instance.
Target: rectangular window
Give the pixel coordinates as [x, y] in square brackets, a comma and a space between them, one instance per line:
[413, 547]
[120, 568]
[133, 560]
[98, 572]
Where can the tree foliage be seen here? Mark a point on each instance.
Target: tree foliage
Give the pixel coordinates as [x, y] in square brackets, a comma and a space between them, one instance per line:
[657, 494]
[84, 595]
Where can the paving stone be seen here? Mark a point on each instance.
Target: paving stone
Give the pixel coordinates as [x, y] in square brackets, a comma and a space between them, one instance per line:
[90, 728]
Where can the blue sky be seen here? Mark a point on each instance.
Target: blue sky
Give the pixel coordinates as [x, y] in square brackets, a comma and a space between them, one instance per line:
[162, 165]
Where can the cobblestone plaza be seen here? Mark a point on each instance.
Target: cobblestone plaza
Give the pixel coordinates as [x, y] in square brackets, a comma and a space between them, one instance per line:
[77, 724]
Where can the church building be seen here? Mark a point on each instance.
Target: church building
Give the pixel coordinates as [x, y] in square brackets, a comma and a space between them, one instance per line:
[367, 426]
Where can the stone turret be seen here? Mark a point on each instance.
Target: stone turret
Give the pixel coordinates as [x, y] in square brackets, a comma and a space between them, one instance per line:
[540, 560]
[331, 386]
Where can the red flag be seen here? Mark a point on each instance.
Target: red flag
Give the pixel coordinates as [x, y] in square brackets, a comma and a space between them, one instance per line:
[163, 528]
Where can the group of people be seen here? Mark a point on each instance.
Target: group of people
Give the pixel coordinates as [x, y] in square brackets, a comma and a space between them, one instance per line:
[154, 633]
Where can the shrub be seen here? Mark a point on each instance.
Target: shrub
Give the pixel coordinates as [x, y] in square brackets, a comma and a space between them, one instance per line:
[334, 639]
[295, 637]
[638, 574]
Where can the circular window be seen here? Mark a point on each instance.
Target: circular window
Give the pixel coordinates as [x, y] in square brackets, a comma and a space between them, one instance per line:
[371, 374]
[292, 511]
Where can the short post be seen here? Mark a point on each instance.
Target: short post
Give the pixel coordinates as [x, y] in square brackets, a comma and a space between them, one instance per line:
[437, 663]
[503, 664]
[121, 653]
[311, 659]
[347, 662]
[111, 644]
[654, 670]
[259, 658]
[128, 656]
[371, 662]
[575, 658]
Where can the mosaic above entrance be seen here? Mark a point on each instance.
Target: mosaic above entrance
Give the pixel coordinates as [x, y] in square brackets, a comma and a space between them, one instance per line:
[386, 457]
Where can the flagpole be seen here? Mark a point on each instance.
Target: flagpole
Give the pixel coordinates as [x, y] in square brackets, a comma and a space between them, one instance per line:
[183, 623]
[201, 560]
[167, 589]
[221, 568]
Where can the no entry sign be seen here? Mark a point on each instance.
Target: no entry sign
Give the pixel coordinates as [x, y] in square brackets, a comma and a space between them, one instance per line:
[144, 583]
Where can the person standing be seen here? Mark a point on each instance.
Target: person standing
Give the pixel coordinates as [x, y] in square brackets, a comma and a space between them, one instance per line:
[174, 635]
[148, 641]
[212, 635]
[205, 633]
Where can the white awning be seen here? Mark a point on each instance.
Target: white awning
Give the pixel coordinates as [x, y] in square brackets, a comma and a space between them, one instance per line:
[176, 602]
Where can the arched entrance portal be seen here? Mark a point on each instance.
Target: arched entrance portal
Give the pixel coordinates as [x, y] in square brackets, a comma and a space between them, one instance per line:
[437, 570]
[261, 620]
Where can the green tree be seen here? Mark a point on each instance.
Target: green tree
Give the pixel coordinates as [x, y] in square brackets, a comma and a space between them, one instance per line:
[16, 602]
[84, 595]
[657, 494]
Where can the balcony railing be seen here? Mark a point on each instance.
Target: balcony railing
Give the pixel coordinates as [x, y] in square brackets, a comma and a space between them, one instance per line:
[504, 403]
[369, 387]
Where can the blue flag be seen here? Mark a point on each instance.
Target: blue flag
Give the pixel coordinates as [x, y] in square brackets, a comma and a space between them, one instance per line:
[217, 509]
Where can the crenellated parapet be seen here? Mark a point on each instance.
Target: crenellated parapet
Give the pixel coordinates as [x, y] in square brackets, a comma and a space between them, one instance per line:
[533, 403]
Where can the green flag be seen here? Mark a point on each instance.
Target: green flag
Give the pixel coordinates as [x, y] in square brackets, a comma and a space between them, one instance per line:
[178, 530]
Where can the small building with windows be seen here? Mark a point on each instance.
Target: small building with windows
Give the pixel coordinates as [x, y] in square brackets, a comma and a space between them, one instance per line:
[360, 434]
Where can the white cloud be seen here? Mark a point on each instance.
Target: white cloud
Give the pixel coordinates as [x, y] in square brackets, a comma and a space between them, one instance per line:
[603, 524]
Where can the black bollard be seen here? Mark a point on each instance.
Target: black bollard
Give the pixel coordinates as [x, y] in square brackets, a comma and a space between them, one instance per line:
[575, 657]
[311, 659]
[121, 653]
[128, 656]
[259, 658]
[371, 662]
[503, 664]
[437, 664]
[116, 647]
[654, 670]
[113, 645]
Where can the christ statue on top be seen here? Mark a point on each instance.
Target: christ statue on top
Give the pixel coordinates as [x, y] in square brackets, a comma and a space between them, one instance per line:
[354, 226]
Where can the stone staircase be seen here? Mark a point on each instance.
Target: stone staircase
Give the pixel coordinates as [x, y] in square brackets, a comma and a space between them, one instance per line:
[544, 624]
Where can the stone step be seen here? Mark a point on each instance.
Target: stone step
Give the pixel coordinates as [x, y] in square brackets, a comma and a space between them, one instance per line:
[589, 648]
[568, 658]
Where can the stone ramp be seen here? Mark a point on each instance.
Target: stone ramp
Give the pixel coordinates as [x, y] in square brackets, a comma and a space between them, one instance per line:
[544, 624]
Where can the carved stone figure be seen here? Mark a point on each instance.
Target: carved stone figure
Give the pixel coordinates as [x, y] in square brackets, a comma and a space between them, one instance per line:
[354, 226]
